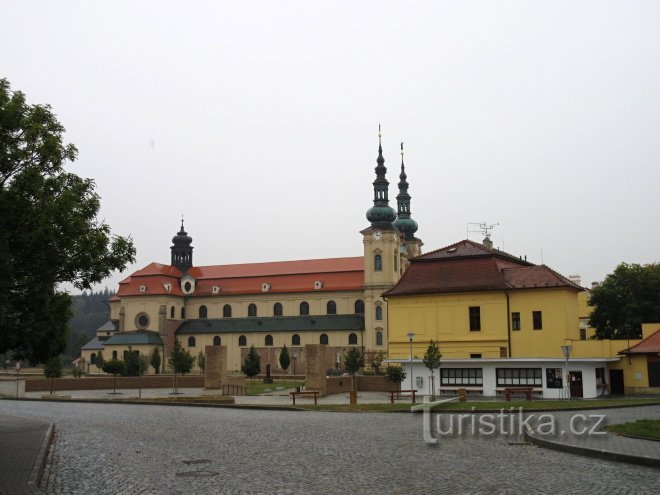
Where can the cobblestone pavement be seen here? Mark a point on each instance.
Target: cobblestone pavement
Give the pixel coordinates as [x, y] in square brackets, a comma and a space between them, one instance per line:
[126, 449]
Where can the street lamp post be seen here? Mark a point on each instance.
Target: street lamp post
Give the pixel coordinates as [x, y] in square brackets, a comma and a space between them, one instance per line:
[566, 350]
[410, 336]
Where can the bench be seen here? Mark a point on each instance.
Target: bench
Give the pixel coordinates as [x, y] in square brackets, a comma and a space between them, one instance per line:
[306, 392]
[454, 390]
[398, 393]
[509, 391]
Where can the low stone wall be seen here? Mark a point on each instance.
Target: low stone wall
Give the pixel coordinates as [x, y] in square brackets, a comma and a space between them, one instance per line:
[340, 384]
[105, 382]
[8, 387]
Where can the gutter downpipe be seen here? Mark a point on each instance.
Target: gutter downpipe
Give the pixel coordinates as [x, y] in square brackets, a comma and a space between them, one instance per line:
[508, 321]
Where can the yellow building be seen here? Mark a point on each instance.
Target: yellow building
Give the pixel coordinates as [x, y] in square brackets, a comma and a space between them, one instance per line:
[499, 322]
[334, 301]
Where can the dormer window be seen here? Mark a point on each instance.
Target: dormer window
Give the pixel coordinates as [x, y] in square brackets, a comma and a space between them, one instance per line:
[215, 289]
[265, 287]
[143, 288]
[318, 285]
[167, 287]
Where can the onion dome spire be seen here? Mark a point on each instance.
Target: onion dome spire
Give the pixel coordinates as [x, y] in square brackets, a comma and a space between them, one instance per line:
[404, 223]
[381, 214]
[182, 249]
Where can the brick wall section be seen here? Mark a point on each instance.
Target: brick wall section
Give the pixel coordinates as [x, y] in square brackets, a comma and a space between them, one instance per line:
[340, 384]
[105, 382]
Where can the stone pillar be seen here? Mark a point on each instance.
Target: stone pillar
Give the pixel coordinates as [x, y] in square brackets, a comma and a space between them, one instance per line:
[215, 369]
[315, 356]
[122, 316]
[162, 317]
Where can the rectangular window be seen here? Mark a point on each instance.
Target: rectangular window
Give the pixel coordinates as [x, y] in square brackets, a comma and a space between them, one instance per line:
[583, 334]
[475, 318]
[537, 320]
[515, 321]
[553, 377]
[461, 376]
[600, 376]
[521, 377]
[475, 356]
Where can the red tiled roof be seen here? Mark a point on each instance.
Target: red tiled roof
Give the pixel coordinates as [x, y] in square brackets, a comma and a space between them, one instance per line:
[326, 265]
[535, 276]
[473, 268]
[467, 248]
[154, 284]
[336, 274]
[650, 344]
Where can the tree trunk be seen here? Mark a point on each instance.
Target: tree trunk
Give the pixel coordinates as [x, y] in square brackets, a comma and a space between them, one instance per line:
[52, 380]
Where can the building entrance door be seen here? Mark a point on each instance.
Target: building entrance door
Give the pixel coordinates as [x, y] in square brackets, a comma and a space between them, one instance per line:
[575, 382]
[616, 382]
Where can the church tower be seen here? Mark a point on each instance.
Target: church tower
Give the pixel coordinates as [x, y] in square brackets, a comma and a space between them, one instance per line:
[411, 246]
[382, 259]
[182, 250]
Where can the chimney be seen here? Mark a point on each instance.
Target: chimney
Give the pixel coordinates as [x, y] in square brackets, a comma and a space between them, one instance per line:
[488, 243]
[575, 279]
[594, 285]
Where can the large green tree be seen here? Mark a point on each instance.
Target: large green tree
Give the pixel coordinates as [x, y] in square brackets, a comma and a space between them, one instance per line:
[49, 231]
[627, 298]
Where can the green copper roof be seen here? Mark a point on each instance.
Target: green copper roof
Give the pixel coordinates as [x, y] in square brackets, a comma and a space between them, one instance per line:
[134, 338]
[311, 323]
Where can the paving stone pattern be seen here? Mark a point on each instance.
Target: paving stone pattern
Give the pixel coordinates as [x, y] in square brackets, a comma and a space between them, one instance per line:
[131, 449]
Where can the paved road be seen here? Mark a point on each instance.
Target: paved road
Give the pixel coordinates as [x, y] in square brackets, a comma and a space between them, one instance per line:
[158, 449]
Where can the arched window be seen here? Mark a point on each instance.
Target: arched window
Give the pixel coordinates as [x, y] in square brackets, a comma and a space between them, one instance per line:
[304, 308]
[216, 340]
[242, 340]
[191, 341]
[277, 309]
[379, 312]
[172, 312]
[295, 339]
[379, 338]
[352, 339]
[114, 354]
[323, 339]
[226, 311]
[359, 307]
[183, 313]
[268, 340]
[203, 312]
[252, 309]
[378, 263]
[92, 358]
[331, 308]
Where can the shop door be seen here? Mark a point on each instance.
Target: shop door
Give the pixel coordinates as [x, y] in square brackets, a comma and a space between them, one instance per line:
[616, 382]
[575, 381]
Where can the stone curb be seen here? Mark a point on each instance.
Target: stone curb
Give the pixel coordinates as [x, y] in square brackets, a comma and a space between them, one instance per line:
[515, 411]
[38, 469]
[156, 403]
[589, 452]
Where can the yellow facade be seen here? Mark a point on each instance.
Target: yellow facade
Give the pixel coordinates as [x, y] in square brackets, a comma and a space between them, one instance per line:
[445, 319]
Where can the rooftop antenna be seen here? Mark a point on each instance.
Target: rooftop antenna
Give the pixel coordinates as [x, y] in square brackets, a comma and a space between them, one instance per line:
[482, 228]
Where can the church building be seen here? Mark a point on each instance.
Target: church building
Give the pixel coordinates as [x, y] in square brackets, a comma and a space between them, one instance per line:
[335, 301]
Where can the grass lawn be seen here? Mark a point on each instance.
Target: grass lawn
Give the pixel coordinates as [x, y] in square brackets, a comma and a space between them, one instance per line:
[483, 405]
[259, 387]
[645, 428]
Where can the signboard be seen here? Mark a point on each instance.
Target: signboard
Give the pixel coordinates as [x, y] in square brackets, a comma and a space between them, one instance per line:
[18, 365]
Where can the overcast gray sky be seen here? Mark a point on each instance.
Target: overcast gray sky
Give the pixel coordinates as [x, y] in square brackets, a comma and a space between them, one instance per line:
[258, 121]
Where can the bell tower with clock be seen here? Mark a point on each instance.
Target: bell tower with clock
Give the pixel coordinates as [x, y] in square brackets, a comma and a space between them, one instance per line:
[382, 257]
